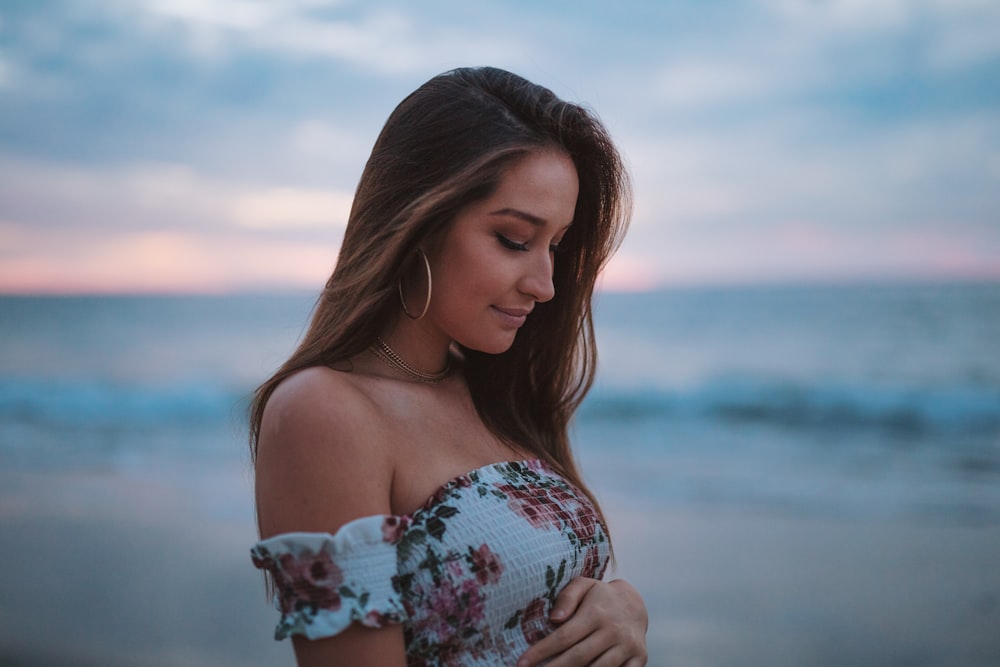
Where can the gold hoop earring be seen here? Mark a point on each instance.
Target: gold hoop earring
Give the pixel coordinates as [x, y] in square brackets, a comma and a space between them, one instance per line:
[427, 301]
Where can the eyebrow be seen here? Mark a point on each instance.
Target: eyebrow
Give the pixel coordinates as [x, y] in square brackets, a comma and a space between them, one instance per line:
[522, 215]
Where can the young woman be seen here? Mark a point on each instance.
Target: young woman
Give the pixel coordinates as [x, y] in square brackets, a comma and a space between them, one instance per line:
[417, 499]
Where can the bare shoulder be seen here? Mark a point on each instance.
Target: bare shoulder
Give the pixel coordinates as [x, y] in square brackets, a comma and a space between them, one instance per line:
[320, 459]
[316, 397]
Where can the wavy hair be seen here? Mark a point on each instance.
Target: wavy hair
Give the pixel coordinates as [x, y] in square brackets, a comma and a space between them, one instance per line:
[444, 147]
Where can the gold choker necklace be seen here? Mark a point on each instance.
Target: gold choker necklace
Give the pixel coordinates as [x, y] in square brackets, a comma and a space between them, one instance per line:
[381, 350]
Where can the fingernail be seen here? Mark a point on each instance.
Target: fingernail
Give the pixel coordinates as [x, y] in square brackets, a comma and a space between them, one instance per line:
[559, 613]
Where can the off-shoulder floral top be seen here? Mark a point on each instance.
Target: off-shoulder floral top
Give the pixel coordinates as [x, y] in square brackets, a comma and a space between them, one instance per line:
[471, 575]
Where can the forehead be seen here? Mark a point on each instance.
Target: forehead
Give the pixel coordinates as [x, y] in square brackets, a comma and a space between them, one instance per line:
[543, 184]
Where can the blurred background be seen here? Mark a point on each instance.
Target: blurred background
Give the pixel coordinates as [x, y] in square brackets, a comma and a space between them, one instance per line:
[796, 431]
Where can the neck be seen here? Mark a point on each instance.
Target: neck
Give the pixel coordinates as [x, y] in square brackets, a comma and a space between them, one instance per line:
[421, 349]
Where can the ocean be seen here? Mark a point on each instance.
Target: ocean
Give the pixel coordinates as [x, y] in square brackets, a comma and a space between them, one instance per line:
[794, 474]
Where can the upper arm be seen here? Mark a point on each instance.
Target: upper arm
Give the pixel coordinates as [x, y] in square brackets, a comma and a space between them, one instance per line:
[319, 462]
[320, 465]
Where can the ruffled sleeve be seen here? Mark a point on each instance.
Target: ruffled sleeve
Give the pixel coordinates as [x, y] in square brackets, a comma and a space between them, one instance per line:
[325, 582]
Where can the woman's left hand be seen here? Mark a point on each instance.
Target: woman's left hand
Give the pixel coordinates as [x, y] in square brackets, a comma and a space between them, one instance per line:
[599, 624]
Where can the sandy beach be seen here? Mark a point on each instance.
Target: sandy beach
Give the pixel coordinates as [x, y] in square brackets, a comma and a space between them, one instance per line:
[784, 491]
[727, 589]
[151, 570]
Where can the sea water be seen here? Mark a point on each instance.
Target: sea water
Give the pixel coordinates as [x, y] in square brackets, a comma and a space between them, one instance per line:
[740, 395]
[836, 403]
[860, 400]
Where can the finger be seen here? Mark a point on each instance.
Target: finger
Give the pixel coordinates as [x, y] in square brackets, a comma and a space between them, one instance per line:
[596, 650]
[556, 643]
[631, 655]
[583, 653]
[569, 599]
[636, 604]
[615, 656]
[611, 644]
[605, 616]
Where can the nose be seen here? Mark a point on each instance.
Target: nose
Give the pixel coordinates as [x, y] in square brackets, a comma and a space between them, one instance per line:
[536, 281]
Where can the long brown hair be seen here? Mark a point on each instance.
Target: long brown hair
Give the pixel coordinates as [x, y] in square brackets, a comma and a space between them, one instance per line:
[444, 147]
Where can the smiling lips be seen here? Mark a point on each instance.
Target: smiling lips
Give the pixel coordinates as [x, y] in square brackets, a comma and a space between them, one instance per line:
[512, 317]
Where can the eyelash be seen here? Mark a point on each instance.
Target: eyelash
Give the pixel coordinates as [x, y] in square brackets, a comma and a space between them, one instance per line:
[523, 247]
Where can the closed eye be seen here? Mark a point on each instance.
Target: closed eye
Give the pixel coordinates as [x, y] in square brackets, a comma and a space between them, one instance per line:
[511, 245]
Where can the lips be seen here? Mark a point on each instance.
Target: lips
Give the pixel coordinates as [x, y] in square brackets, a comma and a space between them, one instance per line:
[512, 317]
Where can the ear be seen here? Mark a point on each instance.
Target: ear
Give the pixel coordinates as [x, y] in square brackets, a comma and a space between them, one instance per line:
[433, 243]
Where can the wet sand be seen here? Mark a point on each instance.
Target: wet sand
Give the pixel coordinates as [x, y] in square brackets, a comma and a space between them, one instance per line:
[151, 569]
[726, 589]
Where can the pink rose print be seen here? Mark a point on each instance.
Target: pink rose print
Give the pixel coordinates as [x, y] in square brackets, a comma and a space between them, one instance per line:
[447, 490]
[486, 565]
[310, 581]
[376, 619]
[533, 504]
[535, 624]
[455, 570]
[592, 564]
[451, 611]
[584, 523]
[394, 527]
[460, 600]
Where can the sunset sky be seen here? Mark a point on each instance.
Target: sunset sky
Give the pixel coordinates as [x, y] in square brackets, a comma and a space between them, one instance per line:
[213, 145]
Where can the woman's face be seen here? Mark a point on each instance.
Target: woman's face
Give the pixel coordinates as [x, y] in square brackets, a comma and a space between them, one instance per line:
[494, 262]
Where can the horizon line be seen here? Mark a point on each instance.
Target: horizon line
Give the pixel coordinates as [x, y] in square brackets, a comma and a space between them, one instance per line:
[662, 286]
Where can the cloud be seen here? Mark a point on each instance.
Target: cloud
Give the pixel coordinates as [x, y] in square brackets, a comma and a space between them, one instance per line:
[159, 196]
[280, 208]
[841, 175]
[921, 198]
[701, 83]
[6, 72]
[316, 138]
[843, 14]
[808, 251]
[625, 273]
[160, 227]
[384, 39]
[859, 54]
[157, 261]
[969, 38]
[779, 136]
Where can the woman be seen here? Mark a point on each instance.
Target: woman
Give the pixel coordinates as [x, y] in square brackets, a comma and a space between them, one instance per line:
[417, 499]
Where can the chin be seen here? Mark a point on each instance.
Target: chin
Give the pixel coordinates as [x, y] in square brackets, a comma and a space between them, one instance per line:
[496, 345]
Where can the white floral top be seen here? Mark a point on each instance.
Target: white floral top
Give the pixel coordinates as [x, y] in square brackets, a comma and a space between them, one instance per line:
[471, 575]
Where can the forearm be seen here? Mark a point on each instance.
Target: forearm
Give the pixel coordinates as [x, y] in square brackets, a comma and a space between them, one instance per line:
[599, 623]
[357, 645]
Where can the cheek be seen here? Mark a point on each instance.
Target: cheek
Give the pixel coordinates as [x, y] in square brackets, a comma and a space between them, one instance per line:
[465, 294]
[455, 287]
[466, 267]
[459, 288]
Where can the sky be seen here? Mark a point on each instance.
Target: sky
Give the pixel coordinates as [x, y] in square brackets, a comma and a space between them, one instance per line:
[214, 145]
